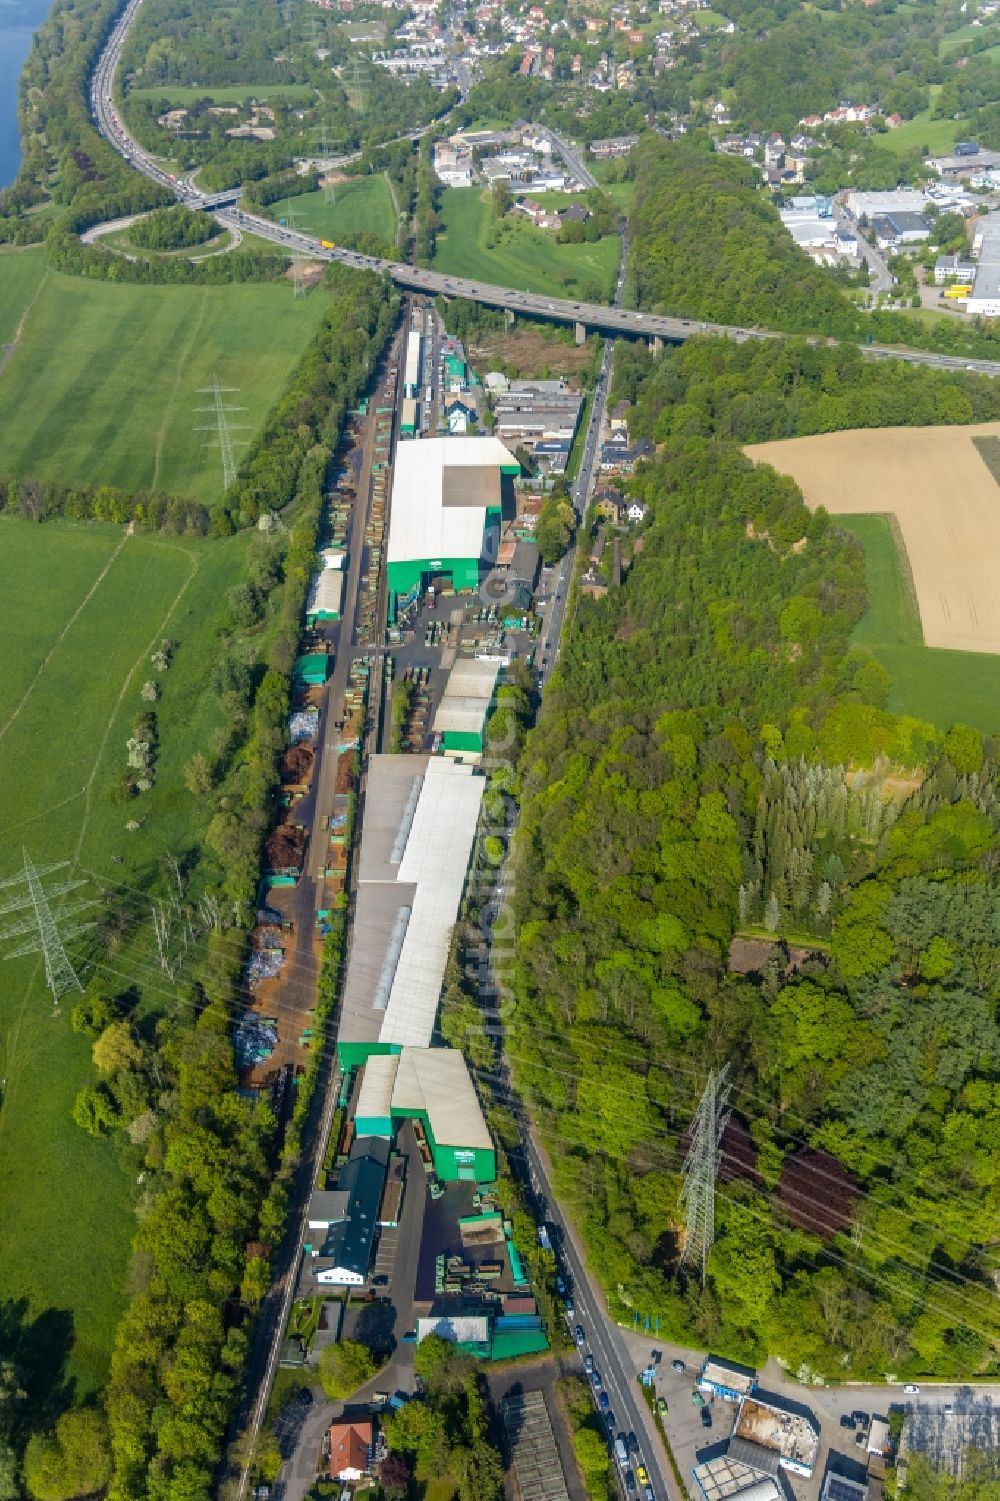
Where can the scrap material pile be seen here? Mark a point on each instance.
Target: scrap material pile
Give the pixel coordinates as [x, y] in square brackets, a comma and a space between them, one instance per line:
[254, 1039]
[285, 847]
[267, 956]
[303, 724]
[296, 765]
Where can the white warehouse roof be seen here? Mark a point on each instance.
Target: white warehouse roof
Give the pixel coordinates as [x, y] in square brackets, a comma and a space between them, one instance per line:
[435, 862]
[467, 696]
[375, 1094]
[437, 1080]
[441, 488]
[326, 592]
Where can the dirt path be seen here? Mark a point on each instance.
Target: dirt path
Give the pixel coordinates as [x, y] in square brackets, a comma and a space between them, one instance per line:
[7, 350]
[62, 635]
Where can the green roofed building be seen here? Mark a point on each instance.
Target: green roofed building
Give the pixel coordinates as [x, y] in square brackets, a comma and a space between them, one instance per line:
[465, 705]
[448, 495]
[312, 668]
[434, 1087]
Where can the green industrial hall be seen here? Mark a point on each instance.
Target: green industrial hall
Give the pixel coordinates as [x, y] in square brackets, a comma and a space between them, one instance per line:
[448, 494]
[432, 1086]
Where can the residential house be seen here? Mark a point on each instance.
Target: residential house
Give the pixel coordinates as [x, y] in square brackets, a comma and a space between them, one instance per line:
[351, 1442]
[613, 146]
[636, 512]
[574, 214]
[609, 503]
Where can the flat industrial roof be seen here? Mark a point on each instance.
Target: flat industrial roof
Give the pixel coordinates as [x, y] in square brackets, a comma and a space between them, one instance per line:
[461, 715]
[437, 1080]
[392, 787]
[420, 817]
[723, 1477]
[987, 279]
[436, 862]
[438, 508]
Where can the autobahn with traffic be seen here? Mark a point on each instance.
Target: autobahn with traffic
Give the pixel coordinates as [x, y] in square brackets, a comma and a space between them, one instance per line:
[584, 315]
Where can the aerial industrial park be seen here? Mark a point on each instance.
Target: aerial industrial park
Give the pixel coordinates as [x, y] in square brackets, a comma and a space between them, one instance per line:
[500, 975]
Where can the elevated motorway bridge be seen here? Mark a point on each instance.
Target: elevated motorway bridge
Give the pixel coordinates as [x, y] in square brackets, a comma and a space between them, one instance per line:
[583, 316]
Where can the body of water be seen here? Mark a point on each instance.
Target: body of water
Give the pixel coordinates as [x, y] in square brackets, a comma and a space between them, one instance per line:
[19, 19]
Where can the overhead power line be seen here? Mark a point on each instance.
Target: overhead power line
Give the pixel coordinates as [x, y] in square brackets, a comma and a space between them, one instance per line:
[700, 1170]
[40, 929]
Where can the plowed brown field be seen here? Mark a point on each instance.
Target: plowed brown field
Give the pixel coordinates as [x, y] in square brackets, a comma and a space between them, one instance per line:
[945, 500]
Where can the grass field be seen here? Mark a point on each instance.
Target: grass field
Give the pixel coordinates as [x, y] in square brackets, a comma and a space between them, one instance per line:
[942, 686]
[179, 95]
[522, 256]
[105, 385]
[937, 135]
[21, 275]
[362, 205]
[956, 41]
[81, 609]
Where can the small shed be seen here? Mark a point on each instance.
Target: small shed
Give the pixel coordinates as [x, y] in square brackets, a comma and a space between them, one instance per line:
[312, 668]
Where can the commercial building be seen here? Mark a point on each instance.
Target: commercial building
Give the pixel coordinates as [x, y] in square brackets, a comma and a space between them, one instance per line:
[421, 814]
[537, 411]
[411, 369]
[726, 1379]
[432, 1086]
[984, 299]
[838, 1487]
[465, 705]
[448, 494]
[770, 1435]
[343, 1258]
[900, 228]
[723, 1478]
[953, 268]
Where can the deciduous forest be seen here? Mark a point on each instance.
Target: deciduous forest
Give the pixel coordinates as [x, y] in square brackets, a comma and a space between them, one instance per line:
[731, 854]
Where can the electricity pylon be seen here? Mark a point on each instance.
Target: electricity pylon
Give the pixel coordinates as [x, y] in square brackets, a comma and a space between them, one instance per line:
[43, 931]
[359, 93]
[222, 427]
[701, 1167]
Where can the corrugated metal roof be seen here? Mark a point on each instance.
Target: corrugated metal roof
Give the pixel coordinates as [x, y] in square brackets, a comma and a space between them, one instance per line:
[437, 1080]
[421, 524]
[377, 1081]
[464, 714]
[436, 861]
[467, 696]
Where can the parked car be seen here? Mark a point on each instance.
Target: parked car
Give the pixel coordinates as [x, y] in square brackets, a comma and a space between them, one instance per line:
[632, 1444]
[910, 1389]
[595, 1380]
[579, 1335]
[706, 1417]
[641, 1473]
[604, 1402]
[570, 1310]
[859, 1418]
[678, 1366]
[630, 1485]
[846, 1421]
[560, 1284]
[609, 1418]
[588, 1364]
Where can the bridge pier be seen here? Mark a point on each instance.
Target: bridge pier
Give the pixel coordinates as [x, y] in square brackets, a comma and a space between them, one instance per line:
[656, 344]
[581, 332]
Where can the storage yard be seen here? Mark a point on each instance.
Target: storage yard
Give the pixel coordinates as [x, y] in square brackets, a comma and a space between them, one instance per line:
[937, 485]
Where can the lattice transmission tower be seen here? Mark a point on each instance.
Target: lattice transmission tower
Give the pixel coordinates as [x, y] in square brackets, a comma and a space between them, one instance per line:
[701, 1168]
[222, 427]
[41, 929]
